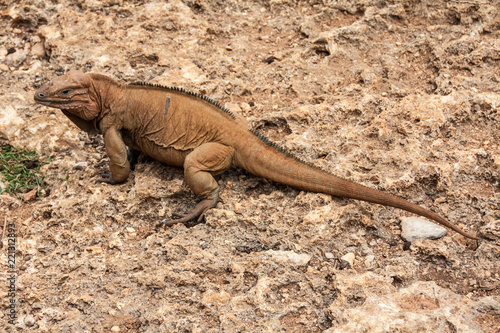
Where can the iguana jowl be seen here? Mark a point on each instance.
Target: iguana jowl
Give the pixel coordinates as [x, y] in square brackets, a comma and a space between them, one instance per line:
[188, 130]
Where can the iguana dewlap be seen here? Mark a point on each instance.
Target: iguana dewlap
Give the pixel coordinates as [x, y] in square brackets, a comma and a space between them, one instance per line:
[188, 130]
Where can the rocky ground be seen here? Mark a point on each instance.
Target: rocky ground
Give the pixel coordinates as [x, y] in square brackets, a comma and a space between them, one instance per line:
[402, 96]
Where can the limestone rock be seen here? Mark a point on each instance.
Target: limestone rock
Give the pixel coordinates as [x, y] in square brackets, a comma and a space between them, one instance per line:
[290, 257]
[416, 228]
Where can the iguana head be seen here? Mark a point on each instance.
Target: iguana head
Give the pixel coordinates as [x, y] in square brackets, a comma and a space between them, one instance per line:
[73, 93]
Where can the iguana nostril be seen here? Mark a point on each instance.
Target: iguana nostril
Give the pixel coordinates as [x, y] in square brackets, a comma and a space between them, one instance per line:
[42, 95]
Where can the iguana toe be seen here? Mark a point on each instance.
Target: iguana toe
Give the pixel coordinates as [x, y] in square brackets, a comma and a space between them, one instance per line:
[197, 214]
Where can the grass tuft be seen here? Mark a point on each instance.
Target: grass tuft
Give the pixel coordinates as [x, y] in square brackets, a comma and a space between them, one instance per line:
[20, 170]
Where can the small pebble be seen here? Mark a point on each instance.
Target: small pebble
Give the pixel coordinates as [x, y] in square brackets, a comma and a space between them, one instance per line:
[329, 255]
[80, 165]
[115, 243]
[269, 60]
[38, 50]
[31, 195]
[238, 208]
[349, 257]
[29, 321]
[15, 59]
[245, 106]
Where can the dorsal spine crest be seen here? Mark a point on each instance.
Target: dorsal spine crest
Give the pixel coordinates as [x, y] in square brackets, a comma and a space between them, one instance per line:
[187, 92]
[284, 151]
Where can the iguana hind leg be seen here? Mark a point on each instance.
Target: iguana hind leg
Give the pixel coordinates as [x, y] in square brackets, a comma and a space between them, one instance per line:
[199, 167]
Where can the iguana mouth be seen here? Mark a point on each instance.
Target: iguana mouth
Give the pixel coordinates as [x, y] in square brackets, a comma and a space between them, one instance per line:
[43, 100]
[51, 101]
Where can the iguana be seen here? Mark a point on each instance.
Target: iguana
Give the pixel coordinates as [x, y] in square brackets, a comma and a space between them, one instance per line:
[189, 130]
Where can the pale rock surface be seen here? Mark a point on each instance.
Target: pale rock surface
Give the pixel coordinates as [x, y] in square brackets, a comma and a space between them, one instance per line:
[422, 306]
[299, 259]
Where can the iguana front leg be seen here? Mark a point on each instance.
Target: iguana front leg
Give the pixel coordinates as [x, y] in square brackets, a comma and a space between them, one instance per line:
[119, 164]
[199, 167]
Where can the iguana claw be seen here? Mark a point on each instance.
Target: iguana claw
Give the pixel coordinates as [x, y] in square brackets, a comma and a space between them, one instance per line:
[198, 213]
[106, 177]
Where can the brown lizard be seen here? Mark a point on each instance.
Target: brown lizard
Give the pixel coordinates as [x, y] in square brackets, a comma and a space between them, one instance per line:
[188, 130]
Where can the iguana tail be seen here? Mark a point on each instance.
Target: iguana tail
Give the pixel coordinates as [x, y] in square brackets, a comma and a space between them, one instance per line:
[264, 159]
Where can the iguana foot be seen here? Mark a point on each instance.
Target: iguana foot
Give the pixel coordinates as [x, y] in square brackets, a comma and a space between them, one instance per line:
[106, 177]
[198, 213]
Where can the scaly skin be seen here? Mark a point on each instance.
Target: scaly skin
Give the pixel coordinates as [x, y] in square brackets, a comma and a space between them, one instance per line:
[183, 129]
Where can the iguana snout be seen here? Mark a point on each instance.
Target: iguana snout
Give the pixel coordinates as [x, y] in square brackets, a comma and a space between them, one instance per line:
[72, 93]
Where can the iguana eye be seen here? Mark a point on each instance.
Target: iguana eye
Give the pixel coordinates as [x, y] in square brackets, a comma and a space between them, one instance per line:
[66, 92]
